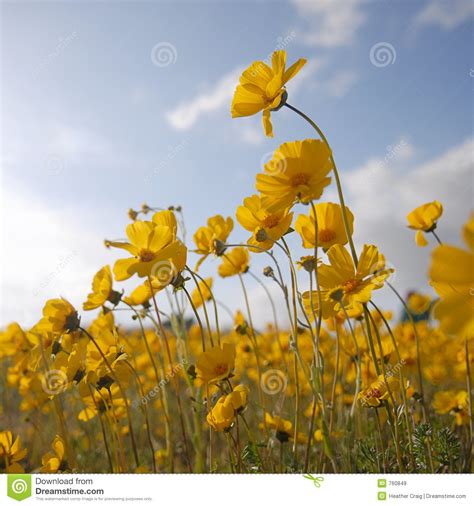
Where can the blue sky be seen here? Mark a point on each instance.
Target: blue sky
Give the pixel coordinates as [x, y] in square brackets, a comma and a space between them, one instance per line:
[91, 125]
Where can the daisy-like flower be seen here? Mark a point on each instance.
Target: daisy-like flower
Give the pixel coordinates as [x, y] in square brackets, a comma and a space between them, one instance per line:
[298, 172]
[376, 392]
[234, 262]
[210, 239]
[59, 317]
[216, 364]
[330, 226]
[345, 286]
[54, 461]
[424, 219]
[101, 290]
[222, 415]
[262, 88]
[452, 276]
[144, 292]
[11, 453]
[452, 402]
[282, 427]
[154, 248]
[266, 226]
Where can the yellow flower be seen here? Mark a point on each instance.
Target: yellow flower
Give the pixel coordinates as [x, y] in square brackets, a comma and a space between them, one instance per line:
[54, 461]
[11, 453]
[298, 172]
[330, 226]
[378, 391]
[345, 286]
[210, 239]
[266, 226]
[454, 402]
[452, 276]
[234, 262]
[202, 293]
[216, 364]
[222, 415]
[143, 293]
[424, 219]
[59, 316]
[418, 302]
[101, 290]
[282, 427]
[154, 248]
[262, 88]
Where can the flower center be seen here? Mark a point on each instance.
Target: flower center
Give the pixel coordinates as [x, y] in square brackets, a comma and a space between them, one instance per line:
[300, 179]
[326, 235]
[270, 221]
[373, 392]
[146, 255]
[220, 369]
[351, 285]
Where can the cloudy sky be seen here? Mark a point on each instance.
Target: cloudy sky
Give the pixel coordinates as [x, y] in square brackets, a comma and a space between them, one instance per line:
[106, 105]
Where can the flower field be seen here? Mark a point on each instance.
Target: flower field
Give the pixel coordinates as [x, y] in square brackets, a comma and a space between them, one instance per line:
[335, 385]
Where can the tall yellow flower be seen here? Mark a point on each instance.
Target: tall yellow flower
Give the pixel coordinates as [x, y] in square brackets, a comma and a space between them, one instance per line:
[266, 226]
[298, 172]
[101, 290]
[377, 391]
[234, 262]
[11, 453]
[54, 461]
[343, 285]
[216, 364]
[154, 248]
[210, 239]
[222, 415]
[424, 219]
[452, 276]
[330, 226]
[59, 317]
[262, 88]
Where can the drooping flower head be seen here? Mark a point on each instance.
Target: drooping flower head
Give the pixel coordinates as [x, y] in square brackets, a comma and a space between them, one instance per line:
[222, 415]
[298, 172]
[54, 461]
[330, 226]
[235, 261]
[11, 453]
[424, 219]
[210, 239]
[202, 293]
[262, 88]
[266, 226]
[59, 317]
[101, 290]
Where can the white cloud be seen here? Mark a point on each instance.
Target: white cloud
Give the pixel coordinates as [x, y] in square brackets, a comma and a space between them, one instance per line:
[331, 24]
[382, 192]
[45, 253]
[448, 14]
[185, 115]
[339, 84]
